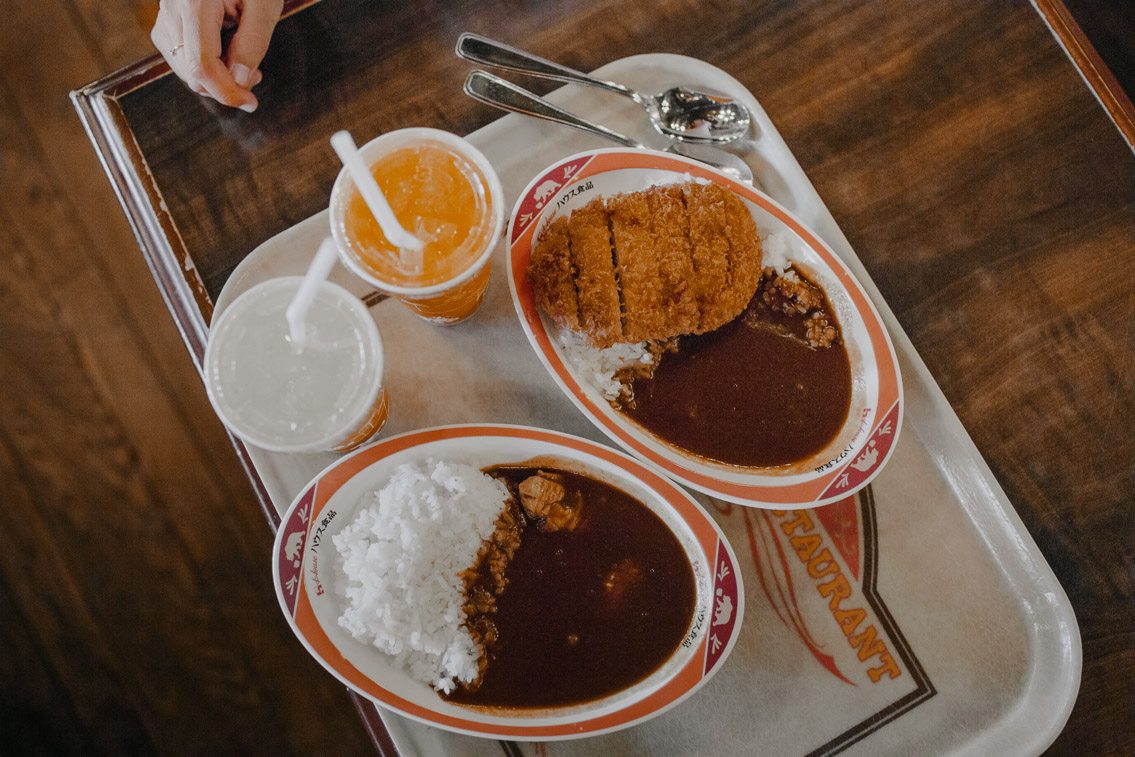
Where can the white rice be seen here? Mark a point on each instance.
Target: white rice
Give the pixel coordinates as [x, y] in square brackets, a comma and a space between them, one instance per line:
[400, 559]
[598, 367]
[777, 248]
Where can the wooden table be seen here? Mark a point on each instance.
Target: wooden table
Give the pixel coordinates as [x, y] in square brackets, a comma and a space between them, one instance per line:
[988, 191]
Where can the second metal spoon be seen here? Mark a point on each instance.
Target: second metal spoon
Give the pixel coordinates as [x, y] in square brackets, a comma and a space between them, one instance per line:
[492, 90]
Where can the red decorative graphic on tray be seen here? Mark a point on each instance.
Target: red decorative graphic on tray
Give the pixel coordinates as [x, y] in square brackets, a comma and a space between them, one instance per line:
[873, 453]
[795, 554]
[290, 558]
[841, 520]
[723, 614]
[543, 190]
[776, 581]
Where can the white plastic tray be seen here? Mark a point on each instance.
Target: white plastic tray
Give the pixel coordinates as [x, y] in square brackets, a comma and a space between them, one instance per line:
[929, 573]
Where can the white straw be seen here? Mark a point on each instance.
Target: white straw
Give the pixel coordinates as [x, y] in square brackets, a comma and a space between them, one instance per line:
[345, 148]
[316, 274]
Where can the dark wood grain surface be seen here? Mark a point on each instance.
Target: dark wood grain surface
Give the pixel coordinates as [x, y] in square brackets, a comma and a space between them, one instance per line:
[987, 192]
[135, 610]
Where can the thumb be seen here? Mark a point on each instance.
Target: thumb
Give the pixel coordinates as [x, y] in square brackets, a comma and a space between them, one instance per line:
[250, 41]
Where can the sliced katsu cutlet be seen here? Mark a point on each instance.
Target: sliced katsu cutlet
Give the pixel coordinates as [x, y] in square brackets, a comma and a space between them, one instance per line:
[709, 251]
[636, 259]
[600, 315]
[553, 276]
[745, 253]
[675, 263]
[647, 266]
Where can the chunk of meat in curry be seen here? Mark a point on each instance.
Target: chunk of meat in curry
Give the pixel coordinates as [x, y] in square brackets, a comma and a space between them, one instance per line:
[547, 502]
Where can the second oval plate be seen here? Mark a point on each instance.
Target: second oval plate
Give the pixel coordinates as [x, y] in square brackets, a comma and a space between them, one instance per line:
[856, 454]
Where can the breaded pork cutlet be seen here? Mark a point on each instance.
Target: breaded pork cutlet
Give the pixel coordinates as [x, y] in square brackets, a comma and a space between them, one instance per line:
[675, 264]
[600, 314]
[709, 215]
[745, 263]
[687, 261]
[551, 264]
[709, 253]
[637, 259]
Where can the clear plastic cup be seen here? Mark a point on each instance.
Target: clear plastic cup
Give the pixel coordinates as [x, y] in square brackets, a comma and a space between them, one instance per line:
[445, 192]
[325, 395]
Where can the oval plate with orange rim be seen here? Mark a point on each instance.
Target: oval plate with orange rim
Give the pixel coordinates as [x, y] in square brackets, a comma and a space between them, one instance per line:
[305, 572]
[858, 451]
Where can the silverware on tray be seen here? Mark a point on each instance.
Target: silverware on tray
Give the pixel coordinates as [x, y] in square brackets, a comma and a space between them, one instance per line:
[492, 90]
[678, 112]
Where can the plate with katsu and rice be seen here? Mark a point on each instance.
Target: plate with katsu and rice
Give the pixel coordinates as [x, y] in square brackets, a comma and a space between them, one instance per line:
[508, 582]
[704, 328]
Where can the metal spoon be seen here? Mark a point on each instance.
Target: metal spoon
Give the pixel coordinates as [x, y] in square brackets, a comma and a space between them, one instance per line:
[678, 112]
[492, 90]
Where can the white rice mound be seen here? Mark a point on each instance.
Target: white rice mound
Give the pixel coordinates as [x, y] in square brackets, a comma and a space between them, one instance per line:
[400, 559]
[778, 248]
[599, 366]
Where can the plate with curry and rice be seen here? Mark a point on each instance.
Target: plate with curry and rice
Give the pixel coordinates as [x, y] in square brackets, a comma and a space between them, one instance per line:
[508, 582]
[704, 328]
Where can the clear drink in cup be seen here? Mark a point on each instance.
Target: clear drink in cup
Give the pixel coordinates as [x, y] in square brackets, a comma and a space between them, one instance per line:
[443, 191]
[325, 395]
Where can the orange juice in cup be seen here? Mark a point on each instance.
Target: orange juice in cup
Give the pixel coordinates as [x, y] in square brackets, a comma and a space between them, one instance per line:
[443, 191]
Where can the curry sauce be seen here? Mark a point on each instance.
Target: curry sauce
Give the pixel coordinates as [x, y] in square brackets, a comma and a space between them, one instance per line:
[770, 388]
[598, 595]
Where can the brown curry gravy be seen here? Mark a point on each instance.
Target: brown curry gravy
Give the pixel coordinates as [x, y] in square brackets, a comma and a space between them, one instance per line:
[753, 393]
[586, 612]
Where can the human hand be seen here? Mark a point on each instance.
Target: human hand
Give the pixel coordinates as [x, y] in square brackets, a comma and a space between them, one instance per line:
[188, 35]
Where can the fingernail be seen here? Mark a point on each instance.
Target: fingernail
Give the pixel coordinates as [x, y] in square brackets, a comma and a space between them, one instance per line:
[248, 107]
[242, 74]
